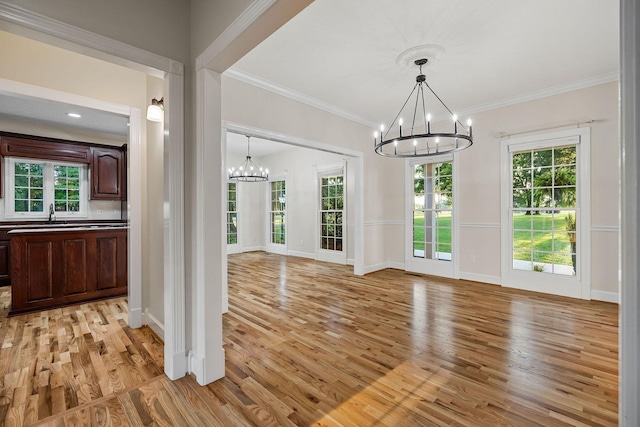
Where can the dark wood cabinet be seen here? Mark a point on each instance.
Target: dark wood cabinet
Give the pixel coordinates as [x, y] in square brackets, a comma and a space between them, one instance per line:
[52, 268]
[4, 263]
[44, 149]
[107, 174]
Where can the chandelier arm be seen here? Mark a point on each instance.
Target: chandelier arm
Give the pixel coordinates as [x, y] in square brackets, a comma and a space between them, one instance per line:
[400, 112]
[444, 105]
[415, 107]
[424, 112]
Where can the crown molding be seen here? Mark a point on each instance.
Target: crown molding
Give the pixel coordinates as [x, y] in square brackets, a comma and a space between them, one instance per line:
[39, 27]
[297, 96]
[543, 93]
[341, 112]
[236, 28]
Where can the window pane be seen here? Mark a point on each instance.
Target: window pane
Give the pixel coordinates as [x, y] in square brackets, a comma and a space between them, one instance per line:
[565, 197]
[522, 160]
[22, 206]
[522, 198]
[36, 194]
[565, 155]
[542, 158]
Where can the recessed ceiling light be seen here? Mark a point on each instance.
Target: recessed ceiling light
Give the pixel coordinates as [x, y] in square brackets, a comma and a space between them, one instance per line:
[74, 115]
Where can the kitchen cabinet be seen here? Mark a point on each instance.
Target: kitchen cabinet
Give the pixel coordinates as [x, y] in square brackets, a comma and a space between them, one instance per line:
[53, 267]
[107, 174]
[4, 263]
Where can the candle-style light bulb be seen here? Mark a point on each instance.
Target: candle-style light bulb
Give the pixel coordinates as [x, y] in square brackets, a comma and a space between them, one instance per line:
[454, 118]
[468, 122]
[381, 128]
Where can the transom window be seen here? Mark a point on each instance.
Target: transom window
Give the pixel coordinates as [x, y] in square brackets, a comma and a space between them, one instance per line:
[36, 186]
[277, 212]
[544, 210]
[332, 212]
[432, 210]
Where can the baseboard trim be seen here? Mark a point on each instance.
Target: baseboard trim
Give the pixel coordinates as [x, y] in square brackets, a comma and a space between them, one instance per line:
[484, 278]
[135, 317]
[382, 266]
[253, 249]
[301, 254]
[209, 370]
[151, 321]
[605, 296]
[351, 261]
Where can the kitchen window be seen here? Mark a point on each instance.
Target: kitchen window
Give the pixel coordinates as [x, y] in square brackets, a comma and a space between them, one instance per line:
[35, 186]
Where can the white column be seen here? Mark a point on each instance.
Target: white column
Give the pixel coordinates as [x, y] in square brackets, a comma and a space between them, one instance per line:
[629, 414]
[207, 362]
[175, 355]
[134, 198]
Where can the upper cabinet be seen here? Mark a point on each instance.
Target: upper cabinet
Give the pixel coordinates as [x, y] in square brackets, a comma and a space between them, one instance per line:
[108, 172]
[43, 149]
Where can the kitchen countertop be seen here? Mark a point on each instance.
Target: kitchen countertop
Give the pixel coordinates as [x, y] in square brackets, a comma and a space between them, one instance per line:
[48, 228]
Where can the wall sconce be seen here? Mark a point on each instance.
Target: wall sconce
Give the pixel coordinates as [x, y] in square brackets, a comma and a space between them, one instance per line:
[155, 111]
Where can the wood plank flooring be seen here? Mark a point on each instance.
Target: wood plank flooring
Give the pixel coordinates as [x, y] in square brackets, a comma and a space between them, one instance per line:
[308, 343]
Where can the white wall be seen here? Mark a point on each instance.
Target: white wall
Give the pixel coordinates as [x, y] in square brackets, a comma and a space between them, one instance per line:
[299, 167]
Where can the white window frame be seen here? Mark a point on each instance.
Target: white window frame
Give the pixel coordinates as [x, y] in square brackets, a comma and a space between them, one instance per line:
[325, 255]
[48, 190]
[278, 248]
[434, 267]
[233, 248]
[578, 285]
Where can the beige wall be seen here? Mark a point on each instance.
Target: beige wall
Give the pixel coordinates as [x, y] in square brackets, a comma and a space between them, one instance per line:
[479, 200]
[159, 26]
[24, 61]
[246, 105]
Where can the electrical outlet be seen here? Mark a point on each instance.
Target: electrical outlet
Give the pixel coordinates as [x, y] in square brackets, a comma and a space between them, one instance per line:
[99, 212]
[472, 258]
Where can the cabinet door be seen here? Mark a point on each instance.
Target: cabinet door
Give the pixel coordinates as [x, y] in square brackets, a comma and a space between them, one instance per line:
[107, 172]
[4, 263]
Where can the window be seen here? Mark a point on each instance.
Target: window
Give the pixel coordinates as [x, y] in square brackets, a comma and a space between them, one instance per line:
[544, 209]
[277, 212]
[332, 212]
[232, 213]
[35, 186]
[432, 210]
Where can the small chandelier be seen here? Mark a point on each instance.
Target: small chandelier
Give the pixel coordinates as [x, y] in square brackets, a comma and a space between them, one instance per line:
[411, 143]
[248, 171]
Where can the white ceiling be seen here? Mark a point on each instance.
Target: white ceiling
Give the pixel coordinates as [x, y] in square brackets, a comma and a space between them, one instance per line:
[342, 53]
[55, 113]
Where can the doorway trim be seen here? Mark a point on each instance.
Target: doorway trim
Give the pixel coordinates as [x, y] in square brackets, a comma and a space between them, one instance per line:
[358, 198]
[28, 24]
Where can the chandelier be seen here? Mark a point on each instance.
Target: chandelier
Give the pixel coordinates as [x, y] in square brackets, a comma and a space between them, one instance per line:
[248, 171]
[410, 141]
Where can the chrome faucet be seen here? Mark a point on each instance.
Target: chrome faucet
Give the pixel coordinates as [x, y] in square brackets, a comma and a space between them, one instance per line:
[51, 213]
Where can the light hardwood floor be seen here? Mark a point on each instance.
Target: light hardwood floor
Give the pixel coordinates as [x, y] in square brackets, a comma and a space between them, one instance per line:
[308, 343]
